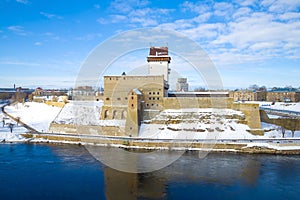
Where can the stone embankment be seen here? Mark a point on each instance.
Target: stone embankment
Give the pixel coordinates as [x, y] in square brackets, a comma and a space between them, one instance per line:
[268, 146]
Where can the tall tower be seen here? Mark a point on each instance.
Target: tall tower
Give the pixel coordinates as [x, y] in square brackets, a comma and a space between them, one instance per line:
[158, 62]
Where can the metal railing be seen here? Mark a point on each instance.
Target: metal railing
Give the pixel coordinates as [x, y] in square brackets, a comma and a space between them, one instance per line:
[289, 112]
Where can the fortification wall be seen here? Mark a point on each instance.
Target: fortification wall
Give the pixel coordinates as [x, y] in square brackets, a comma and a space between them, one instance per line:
[251, 112]
[86, 129]
[196, 102]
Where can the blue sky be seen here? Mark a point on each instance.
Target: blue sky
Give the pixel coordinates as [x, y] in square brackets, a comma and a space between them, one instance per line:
[44, 43]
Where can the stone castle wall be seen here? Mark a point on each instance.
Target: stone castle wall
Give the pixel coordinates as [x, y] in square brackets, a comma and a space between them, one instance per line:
[86, 129]
[251, 112]
[196, 102]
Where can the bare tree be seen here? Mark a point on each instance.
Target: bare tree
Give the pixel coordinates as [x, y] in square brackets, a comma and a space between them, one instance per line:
[282, 131]
[293, 126]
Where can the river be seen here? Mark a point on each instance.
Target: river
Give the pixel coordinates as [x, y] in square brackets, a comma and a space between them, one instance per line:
[57, 171]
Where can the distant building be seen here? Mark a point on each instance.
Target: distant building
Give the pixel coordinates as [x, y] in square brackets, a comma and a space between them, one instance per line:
[284, 95]
[278, 95]
[243, 95]
[86, 93]
[15, 94]
[182, 85]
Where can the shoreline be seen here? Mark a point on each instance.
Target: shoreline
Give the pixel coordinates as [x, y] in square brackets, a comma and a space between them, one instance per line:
[245, 146]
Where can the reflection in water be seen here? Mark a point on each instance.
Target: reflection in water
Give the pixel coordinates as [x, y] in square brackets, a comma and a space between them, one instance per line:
[43, 171]
[224, 169]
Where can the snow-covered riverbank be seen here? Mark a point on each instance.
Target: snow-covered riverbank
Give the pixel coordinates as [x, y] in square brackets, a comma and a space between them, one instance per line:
[203, 124]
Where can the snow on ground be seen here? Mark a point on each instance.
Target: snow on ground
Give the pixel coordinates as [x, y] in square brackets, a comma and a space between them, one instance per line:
[279, 105]
[5, 134]
[272, 146]
[80, 112]
[204, 123]
[37, 115]
[161, 131]
[274, 131]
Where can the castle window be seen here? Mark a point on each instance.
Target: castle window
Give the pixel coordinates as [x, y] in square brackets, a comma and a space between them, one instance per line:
[153, 92]
[119, 99]
[107, 99]
[152, 104]
[114, 114]
[149, 92]
[106, 114]
[147, 104]
[132, 98]
[109, 78]
[157, 92]
[157, 98]
[149, 98]
[124, 113]
[126, 98]
[131, 105]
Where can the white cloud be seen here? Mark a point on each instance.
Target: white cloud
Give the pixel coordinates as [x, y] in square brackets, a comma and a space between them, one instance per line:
[52, 36]
[290, 16]
[88, 37]
[19, 30]
[246, 2]
[198, 7]
[37, 43]
[117, 18]
[19, 63]
[23, 1]
[281, 6]
[242, 12]
[223, 9]
[50, 16]
[141, 16]
[243, 35]
[128, 5]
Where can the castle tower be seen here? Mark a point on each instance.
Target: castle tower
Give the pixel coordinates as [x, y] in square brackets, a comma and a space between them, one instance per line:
[158, 62]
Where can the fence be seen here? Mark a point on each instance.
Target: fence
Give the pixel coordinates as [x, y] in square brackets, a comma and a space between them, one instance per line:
[288, 112]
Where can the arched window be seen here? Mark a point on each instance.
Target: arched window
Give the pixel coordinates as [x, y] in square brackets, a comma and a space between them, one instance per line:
[114, 114]
[106, 114]
[124, 114]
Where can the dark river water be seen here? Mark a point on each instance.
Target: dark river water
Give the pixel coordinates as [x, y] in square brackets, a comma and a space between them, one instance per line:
[45, 171]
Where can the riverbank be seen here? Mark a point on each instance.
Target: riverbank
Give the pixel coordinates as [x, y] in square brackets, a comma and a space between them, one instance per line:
[226, 140]
[284, 146]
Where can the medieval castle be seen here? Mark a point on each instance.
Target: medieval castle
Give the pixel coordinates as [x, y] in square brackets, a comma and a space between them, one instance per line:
[137, 98]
